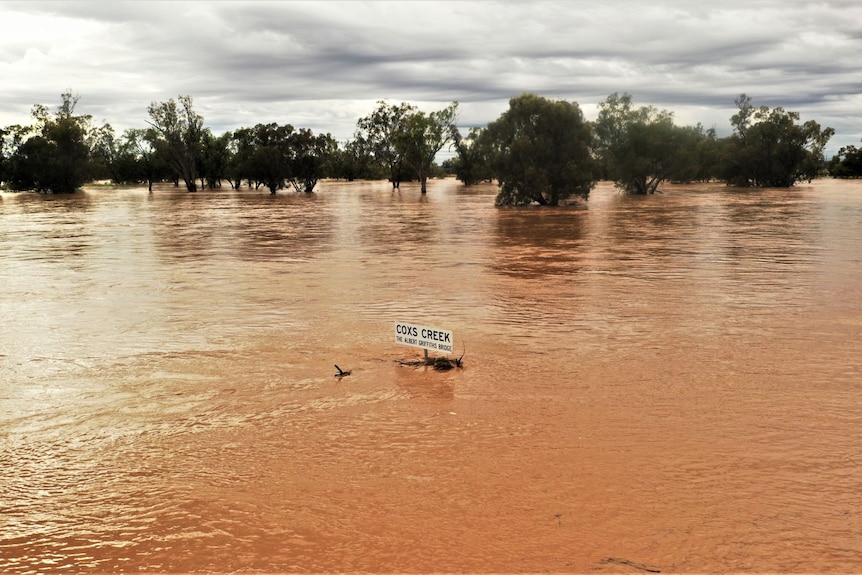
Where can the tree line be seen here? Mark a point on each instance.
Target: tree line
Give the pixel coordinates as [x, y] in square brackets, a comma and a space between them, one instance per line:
[544, 151]
[539, 150]
[62, 151]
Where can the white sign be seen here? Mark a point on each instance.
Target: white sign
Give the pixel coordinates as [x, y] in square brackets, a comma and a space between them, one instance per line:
[424, 337]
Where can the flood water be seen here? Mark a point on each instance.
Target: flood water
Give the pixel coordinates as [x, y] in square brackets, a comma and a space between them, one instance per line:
[666, 383]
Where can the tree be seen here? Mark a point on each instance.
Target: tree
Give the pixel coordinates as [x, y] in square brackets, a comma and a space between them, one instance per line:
[180, 131]
[641, 147]
[423, 136]
[847, 163]
[381, 132]
[269, 161]
[769, 148]
[741, 120]
[610, 129]
[10, 139]
[240, 152]
[704, 151]
[352, 161]
[472, 164]
[309, 158]
[4, 133]
[57, 157]
[541, 152]
[149, 164]
[113, 157]
[214, 158]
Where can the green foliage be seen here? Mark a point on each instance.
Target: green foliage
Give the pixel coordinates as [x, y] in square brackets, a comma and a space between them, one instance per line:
[705, 155]
[423, 136]
[541, 152]
[8, 145]
[847, 163]
[56, 158]
[115, 158]
[269, 161]
[241, 146]
[639, 148]
[354, 161]
[274, 155]
[310, 158]
[473, 162]
[214, 158]
[769, 148]
[401, 136]
[180, 131]
[381, 134]
[149, 164]
[11, 139]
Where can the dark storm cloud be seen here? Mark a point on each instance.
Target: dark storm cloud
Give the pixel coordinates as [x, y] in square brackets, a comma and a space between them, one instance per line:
[324, 64]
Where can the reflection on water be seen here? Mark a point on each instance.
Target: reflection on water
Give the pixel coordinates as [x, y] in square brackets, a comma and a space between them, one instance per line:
[539, 242]
[59, 227]
[250, 227]
[668, 382]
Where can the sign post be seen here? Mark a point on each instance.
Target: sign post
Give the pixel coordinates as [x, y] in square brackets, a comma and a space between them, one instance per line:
[425, 337]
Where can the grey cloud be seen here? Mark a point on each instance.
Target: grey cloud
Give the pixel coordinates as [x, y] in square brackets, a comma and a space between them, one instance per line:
[328, 62]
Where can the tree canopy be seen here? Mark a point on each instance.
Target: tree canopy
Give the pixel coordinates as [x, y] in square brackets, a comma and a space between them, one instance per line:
[423, 136]
[541, 152]
[180, 131]
[395, 136]
[847, 163]
[309, 158]
[472, 164]
[639, 148]
[55, 154]
[381, 134]
[269, 160]
[769, 148]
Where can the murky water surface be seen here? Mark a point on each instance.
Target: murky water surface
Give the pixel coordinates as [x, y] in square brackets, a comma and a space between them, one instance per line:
[667, 383]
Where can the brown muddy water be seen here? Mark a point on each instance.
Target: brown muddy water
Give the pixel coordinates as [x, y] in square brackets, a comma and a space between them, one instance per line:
[668, 383]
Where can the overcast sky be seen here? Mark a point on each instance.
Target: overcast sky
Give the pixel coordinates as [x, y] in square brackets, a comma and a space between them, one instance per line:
[323, 64]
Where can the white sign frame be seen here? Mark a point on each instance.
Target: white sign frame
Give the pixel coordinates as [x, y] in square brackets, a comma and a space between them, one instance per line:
[427, 338]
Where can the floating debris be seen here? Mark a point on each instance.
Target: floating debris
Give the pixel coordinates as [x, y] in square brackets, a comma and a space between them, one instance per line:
[632, 564]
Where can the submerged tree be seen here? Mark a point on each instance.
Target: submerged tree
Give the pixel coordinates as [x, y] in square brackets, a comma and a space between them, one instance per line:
[240, 152]
[640, 148]
[423, 136]
[109, 153]
[57, 156]
[269, 163]
[310, 157]
[150, 164]
[10, 139]
[698, 158]
[541, 152]
[769, 148]
[847, 163]
[353, 160]
[214, 158]
[381, 133]
[180, 131]
[472, 164]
